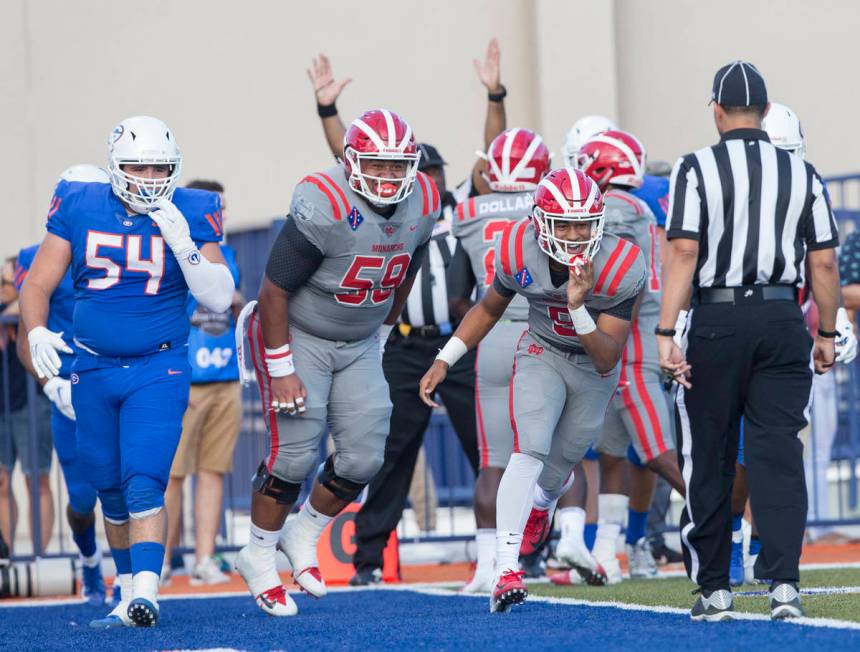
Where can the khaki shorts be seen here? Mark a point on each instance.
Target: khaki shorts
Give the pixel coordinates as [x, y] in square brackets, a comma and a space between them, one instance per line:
[209, 429]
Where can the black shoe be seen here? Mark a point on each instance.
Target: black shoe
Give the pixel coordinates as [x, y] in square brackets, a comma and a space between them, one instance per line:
[663, 554]
[713, 606]
[533, 565]
[784, 601]
[366, 577]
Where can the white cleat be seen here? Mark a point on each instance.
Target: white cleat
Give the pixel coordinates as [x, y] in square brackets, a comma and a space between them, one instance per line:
[482, 582]
[207, 573]
[641, 560]
[577, 557]
[265, 585]
[612, 568]
[303, 562]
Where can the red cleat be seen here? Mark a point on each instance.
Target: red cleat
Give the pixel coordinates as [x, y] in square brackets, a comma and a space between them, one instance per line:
[510, 590]
[537, 531]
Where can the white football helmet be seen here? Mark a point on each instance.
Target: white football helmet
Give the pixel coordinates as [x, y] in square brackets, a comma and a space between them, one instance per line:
[148, 141]
[783, 127]
[85, 173]
[582, 130]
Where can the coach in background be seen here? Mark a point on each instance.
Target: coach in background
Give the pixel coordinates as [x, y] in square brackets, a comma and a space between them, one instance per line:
[211, 423]
[745, 218]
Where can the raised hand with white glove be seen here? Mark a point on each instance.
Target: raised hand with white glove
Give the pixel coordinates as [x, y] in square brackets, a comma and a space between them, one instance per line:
[59, 392]
[846, 341]
[174, 228]
[44, 345]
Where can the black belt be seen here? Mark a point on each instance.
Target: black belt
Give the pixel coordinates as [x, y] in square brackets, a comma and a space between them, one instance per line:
[429, 331]
[747, 294]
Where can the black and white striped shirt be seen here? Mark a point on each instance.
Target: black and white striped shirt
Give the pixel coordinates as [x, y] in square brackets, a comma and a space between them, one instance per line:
[427, 303]
[755, 210]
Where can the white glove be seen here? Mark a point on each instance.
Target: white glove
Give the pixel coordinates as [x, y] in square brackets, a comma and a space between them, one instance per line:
[383, 333]
[846, 341]
[59, 391]
[174, 228]
[680, 327]
[44, 345]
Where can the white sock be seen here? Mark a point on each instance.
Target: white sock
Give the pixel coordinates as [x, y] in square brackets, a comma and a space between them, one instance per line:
[309, 525]
[145, 585]
[126, 586]
[261, 543]
[612, 510]
[485, 539]
[513, 504]
[94, 560]
[571, 520]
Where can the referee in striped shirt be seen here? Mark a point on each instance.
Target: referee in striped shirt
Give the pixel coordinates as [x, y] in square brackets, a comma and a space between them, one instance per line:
[748, 223]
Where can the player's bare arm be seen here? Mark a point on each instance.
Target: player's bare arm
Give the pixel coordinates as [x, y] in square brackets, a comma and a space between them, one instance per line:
[288, 391]
[475, 325]
[681, 260]
[490, 75]
[824, 275]
[326, 90]
[604, 344]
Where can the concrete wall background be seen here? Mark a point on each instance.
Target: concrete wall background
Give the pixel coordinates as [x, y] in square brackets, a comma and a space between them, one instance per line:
[229, 78]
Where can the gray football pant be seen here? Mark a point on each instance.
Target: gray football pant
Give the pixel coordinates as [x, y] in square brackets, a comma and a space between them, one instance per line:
[346, 392]
[558, 402]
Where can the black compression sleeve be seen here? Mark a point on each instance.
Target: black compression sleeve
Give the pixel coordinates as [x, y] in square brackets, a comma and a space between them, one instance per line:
[417, 259]
[501, 289]
[460, 277]
[293, 258]
[623, 310]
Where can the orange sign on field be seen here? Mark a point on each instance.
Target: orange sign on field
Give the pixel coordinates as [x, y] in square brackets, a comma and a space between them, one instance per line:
[337, 546]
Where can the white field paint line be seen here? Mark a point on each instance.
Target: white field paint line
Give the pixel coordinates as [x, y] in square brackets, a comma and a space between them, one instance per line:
[809, 622]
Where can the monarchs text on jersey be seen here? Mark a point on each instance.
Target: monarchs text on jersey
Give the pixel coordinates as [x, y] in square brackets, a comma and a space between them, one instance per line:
[365, 255]
[619, 274]
[130, 293]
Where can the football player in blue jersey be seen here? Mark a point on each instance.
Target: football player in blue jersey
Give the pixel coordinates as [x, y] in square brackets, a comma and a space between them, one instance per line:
[80, 511]
[130, 377]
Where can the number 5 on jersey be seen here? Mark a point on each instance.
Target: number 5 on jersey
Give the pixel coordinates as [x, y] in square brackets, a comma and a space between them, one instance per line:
[359, 288]
[154, 266]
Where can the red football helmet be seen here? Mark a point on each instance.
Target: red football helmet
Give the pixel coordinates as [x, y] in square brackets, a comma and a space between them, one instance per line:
[380, 135]
[568, 195]
[613, 156]
[517, 160]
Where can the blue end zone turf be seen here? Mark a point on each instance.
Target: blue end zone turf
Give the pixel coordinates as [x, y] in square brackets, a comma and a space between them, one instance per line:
[380, 619]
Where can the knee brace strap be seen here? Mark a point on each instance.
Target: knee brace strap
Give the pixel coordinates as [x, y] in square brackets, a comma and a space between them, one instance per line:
[146, 513]
[284, 493]
[341, 487]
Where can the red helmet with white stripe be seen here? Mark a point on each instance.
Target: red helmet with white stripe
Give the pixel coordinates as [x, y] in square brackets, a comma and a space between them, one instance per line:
[517, 161]
[613, 156]
[380, 157]
[565, 202]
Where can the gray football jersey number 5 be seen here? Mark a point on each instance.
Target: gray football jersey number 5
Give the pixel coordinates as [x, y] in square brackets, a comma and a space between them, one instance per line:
[366, 254]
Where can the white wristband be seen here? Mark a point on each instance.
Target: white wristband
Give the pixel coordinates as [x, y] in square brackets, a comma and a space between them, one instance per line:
[279, 362]
[454, 349]
[582, 321]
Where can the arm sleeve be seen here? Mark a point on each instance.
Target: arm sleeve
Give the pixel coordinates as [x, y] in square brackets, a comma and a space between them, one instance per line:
[293, 258]
[500, 287]
[460, 279]
[821, 231]
[623, 310]
[58, 223]
[685, 204]
[417, 259]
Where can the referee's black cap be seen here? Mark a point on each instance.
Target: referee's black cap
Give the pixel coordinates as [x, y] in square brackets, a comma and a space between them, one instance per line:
[430, 157]
[739, 83]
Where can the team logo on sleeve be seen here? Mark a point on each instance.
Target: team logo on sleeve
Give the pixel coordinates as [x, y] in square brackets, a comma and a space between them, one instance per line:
[355, 218]
[523, 277]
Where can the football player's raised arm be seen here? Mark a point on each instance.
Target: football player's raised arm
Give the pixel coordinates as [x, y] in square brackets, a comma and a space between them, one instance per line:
[48, 268]
[326, 91]
[489, 72]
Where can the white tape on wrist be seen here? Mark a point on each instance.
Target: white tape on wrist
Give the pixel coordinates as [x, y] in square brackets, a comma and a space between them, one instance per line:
[454, 349]
[279, 362]
[582, 321]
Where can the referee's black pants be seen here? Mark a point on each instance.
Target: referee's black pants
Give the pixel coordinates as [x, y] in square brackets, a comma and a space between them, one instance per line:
[406, 360]
[750, 359]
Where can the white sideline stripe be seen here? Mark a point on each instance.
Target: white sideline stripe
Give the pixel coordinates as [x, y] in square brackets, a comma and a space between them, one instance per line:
[808, 622]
